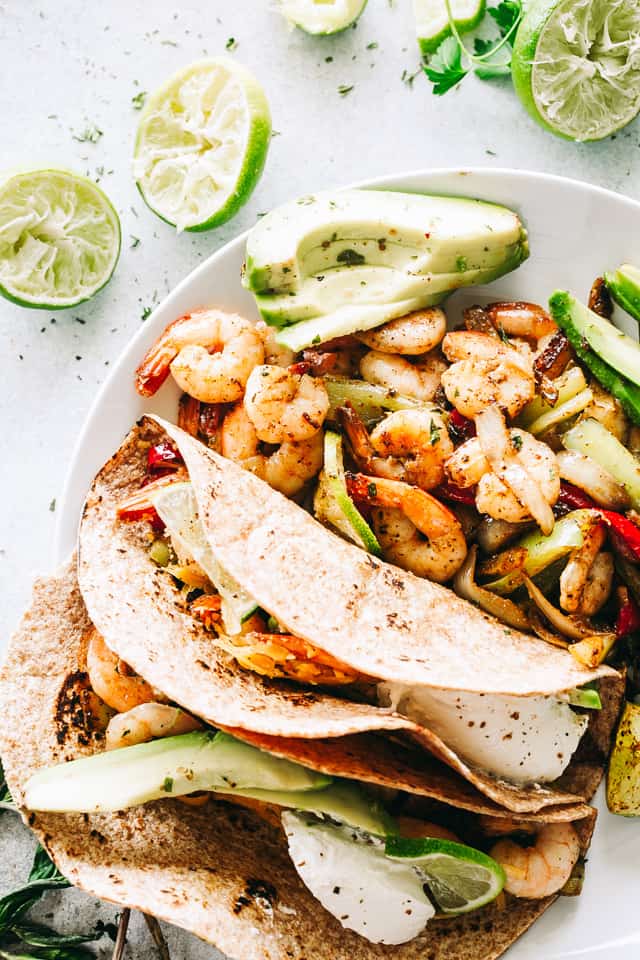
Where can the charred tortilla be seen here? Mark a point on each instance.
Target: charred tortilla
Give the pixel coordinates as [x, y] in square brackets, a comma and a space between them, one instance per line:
[218, 871]
[136, 608]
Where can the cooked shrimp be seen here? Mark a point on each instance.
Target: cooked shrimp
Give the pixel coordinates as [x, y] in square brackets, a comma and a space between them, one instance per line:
[112, 679]
[148, 721]
[285, 656]
[286, 469]
[283, 405]
[597, 588]
[485, 372]
[517, 318]
[409, 445]
[574, 577]
[542, 869]
[274, 353]
[415, 530]
[209, 353]
[524, 480]
[415, 334]
[418, 378]
[469, 466]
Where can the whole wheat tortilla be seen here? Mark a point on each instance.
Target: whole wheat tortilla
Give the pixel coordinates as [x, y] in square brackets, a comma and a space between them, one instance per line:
[377, 618]
[218, 871]
[136, 608]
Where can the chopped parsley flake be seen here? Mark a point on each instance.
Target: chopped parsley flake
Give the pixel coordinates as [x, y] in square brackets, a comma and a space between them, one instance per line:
[89, 135]
[461, 264]
[231, 44]
[434, 433]
[372, 490]
[345, 88]
[516, 440]
[138, 100]
[167, 785]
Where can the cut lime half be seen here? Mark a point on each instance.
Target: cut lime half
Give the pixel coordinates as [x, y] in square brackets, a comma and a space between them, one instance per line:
[202, 143]
[460, 878]
[432, 20]
[322, 17]
[576, 65]
[624, 287]
[59, 239]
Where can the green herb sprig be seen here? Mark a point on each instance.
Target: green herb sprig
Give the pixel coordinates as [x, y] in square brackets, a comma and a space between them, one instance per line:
[21, 938]
[453, 61]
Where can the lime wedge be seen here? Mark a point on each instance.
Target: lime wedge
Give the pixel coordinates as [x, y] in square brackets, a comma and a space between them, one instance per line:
[460, 878]
[322, 17]
[59, 239]
[202, 143]
[624, 287]
[333, 505]
[178, 509]
[576, 65]
[432, 20]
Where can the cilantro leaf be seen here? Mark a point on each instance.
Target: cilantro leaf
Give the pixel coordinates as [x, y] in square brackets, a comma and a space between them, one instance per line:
[445, 69]
[505, 15]
[489, 71]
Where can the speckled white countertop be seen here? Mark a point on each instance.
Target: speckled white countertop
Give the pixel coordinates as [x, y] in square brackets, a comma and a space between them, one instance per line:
[66, 66]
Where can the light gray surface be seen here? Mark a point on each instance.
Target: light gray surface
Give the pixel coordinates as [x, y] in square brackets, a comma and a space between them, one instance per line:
[68, 66]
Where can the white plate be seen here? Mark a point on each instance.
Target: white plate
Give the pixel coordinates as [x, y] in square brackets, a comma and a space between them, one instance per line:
[576, 231]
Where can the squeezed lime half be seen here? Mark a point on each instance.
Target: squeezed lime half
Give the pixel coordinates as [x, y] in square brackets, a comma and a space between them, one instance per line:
[576, 65]
[432, 20]
[59, 239]
[322, 17]
[202, 143]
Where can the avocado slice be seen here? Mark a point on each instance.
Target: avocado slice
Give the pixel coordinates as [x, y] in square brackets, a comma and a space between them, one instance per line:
[624, 287]
[586, 697]
[173, 766]
[335, 263]
[598, 350]
[623, 778]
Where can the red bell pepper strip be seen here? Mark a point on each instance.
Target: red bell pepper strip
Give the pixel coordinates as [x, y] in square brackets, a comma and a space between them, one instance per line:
[162, 456]
[461, 426]
[449, 491]
[626, 530]
[575, 499]
[628, 620]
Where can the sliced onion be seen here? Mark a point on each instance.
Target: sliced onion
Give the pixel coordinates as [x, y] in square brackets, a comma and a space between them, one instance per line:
[495, 441]
[505, 610]
[592, 650]
[493, 535]
[541, 630]
[584, 472]
[567, 626]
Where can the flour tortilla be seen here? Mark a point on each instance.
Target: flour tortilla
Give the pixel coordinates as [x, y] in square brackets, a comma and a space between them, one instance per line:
[136, 608]
[219, 872]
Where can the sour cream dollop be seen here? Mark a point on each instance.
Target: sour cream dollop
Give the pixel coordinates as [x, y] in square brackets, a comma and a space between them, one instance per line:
[520, 739]
[380, 899]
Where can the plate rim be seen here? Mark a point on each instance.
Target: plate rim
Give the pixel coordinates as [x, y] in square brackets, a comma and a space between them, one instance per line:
[60, 554]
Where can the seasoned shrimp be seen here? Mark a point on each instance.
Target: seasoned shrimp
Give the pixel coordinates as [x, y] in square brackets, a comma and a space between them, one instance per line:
[485, 371]
[597, 588]
[415, 530]
[112, 679]
[469, 466]
[542, 869]
[573, 578]
[285, 406]
[286, 469]
[209, 353]
[148, 721]
[409, 445]
[516, 318]
[415, 334]
[418, 378]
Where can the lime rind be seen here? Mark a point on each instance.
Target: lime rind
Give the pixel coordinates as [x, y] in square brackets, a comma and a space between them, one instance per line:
[460, 878]
[322, 19]
[202, 144]
[59, 239]
[432, 20]
[576, 66]
[624, 287]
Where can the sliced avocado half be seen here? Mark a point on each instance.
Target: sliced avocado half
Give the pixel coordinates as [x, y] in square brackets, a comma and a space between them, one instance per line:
[333, 263]
[173, 766]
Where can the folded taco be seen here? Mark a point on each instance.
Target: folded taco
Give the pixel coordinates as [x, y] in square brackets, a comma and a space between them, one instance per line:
[187, 609]
[272, 857]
